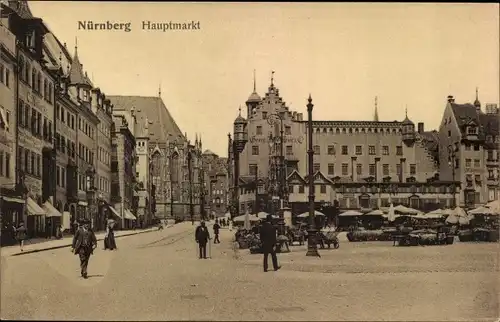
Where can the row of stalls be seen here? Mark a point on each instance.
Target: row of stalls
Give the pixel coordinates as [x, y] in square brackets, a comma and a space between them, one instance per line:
[409, 226]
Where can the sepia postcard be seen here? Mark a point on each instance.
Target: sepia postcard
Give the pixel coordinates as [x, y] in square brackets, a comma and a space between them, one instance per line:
[253, 161]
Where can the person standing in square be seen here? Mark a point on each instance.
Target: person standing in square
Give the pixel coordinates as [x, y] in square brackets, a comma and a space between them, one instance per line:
[269, 240]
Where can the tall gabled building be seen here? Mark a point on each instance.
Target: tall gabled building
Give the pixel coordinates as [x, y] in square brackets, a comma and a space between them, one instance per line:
[468, 144]
[168, 152]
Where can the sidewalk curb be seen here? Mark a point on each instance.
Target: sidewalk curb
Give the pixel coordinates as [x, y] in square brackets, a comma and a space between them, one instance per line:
[69, 245]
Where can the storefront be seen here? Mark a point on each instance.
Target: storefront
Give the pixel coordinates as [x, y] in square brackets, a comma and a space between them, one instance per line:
[53, 219]
[12, 206]
[35, 220]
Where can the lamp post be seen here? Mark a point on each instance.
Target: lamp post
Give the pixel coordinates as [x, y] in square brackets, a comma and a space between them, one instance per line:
[239, 142]
[312, 247]
[90, 192]
[452, 157]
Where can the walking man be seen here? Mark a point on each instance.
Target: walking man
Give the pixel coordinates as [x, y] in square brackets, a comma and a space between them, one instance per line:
[216, 232]
[84, 243]
[20, 233]
[268, 239]
[202, 237]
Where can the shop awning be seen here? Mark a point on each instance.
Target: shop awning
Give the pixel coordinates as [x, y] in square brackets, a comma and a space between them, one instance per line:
[113, 210]
[129, 215]
[11, 199]
[51, 210]
[34, 209]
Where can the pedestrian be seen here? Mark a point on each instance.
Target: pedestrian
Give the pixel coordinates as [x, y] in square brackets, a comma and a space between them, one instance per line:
[202, 237]
[59, 233]
[268, 240]
[216, 232]
[109, 237]
[84, 243]
[230, 224]
[20, 233]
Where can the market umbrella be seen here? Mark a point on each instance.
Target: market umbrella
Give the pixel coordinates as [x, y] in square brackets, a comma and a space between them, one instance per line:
[406, 210]
[494, 205]
[262, 215]
[432, 215]
[482, 211]
[452, 219]
[351, 213]
[242, 218]
[306, 214]
[448, 212]
[376, 212]
[463, 220]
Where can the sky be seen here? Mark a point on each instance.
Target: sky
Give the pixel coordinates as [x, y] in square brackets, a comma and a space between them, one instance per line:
[344, 54]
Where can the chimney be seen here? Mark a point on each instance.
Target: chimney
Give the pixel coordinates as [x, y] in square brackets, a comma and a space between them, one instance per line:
[420, 127]
[451, 99]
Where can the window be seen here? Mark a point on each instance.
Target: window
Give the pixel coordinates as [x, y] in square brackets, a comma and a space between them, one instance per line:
[252, 169]
[289, 150]
[301, 189]
[323, 188]
[316, 149]
[476, 147]
[63, 177]
[331, 149]
[468, 163]
[62, 115]
[398, 169]
[39, 124]
[490, 155]
[413, 169]
[359, 169]
[385, 150]
[468, 147]
[371, 169]
[288, 130]
[345, 169]
[259, 130]
[58, 176]
[33, 78]
[255, 150]
[20, 113]
[331, 169]
[7, 164]
[385, 169]
[27, 110]
[359, 150]
[264, 115]
[38, 165]
[7, 77]
[1, 164]
[477, 163]
[399, 150]
[316, 167]
[2, 79]
[371, 150]
[345, 150]
[33, 163]
[471, 130]
[33, 121]
[38, 82]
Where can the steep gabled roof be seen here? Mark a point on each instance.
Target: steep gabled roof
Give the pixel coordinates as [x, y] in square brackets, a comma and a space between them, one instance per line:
[76, 74]
[164, 126]
[319, 177]
[21, 7]
[295, 177]
[467, 113]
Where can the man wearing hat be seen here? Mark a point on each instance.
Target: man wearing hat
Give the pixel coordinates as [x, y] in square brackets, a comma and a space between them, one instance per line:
[84, 243]
[268, 240]
[202, 236]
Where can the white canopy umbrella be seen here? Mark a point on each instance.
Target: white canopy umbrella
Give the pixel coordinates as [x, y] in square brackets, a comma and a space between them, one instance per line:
[452, 219]
[463, 220]
[351, 213]
[406, 210]
[482, 211]
[376, 212]
[437, 211]
[431, 215]
[242, 218]
[459, 212]
[494, 205]
[306, 214]
[262, 215]
[448, 212]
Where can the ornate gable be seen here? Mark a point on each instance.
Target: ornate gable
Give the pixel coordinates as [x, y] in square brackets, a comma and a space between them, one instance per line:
[295, 178]
[320, 178]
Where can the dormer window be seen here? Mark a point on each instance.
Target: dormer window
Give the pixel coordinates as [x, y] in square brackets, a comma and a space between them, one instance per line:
[472, 130]
[85, 95]
[30, 39]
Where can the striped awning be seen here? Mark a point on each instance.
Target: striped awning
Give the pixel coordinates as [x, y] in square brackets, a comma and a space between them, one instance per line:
[34, 209]
[113, 210]
[51, 210]
[129, 215]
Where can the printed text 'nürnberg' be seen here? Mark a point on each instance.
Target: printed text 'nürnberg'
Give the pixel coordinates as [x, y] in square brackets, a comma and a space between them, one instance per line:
[146, 25]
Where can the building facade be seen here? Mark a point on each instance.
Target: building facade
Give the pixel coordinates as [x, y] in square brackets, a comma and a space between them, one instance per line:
[357, 164]
[468, 145]
[216, 175]
[175, 181]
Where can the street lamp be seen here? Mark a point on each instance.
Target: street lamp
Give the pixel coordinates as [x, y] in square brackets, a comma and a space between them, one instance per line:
[312, 247]
[239, 142]
[90, 192]
[452, 157]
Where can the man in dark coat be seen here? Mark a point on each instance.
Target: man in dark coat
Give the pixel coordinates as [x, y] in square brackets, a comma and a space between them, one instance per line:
[268, 240]
[202, 236]
[84, 243]
[216, 232]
